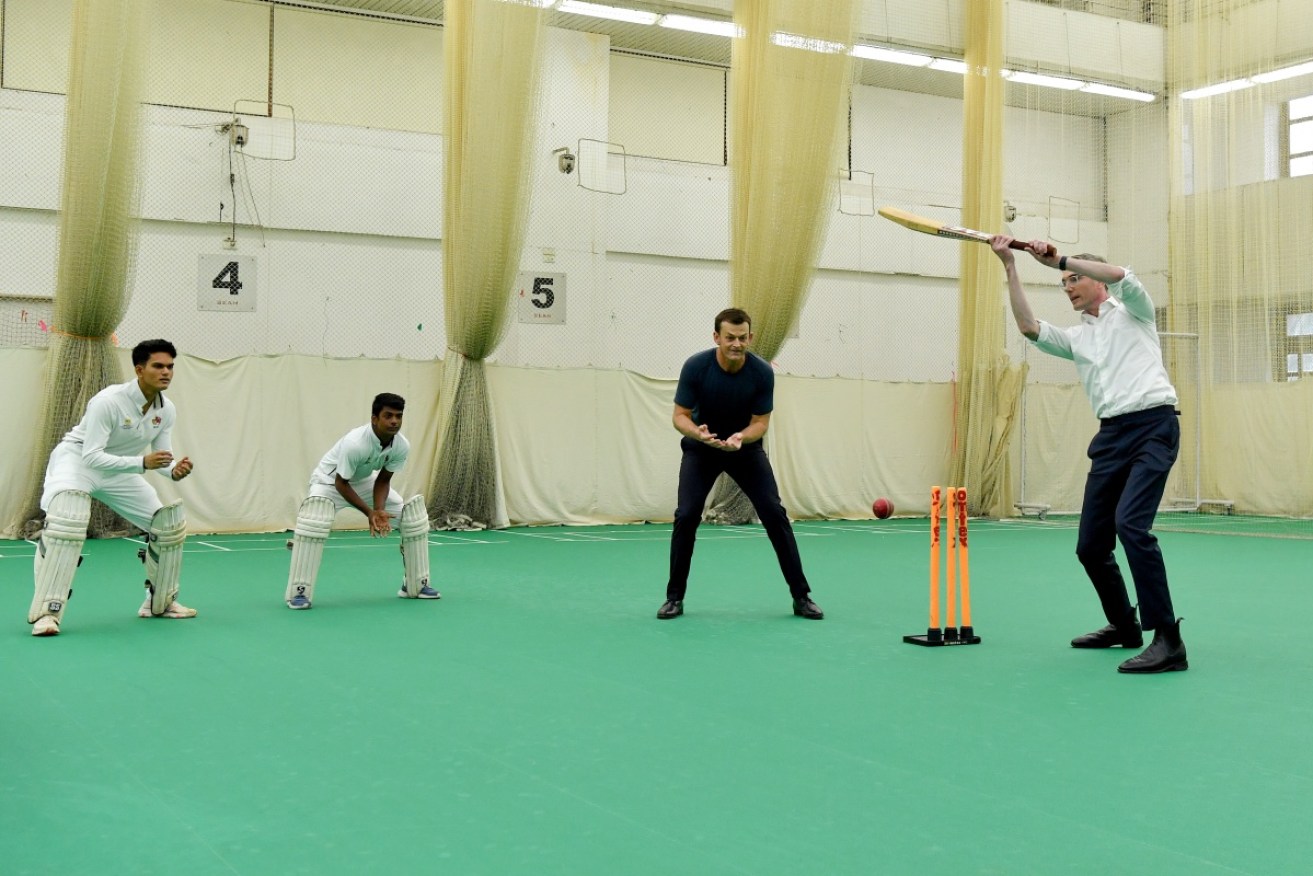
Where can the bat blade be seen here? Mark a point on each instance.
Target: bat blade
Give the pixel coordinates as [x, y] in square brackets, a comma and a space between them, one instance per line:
[939, 229]
[932, 226]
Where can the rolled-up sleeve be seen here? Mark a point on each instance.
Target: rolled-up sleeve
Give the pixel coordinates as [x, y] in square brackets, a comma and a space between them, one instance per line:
[1053, 341]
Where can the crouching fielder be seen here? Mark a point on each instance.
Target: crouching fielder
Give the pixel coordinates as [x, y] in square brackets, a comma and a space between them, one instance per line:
[357, 471]
[124, 433]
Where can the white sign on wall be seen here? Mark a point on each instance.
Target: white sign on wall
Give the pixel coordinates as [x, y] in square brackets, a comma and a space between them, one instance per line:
[541, 297]
[226, 281]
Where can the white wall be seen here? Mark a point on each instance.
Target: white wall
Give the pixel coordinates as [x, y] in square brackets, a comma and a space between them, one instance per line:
[349, 252]
[1041, 36]
[348, 242]
[1138, 193]
[1252, 34]
[212, 53]
[668, 109]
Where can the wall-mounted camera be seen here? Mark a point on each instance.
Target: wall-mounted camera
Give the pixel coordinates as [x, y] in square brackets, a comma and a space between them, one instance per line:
[237, 133]
[565, 159]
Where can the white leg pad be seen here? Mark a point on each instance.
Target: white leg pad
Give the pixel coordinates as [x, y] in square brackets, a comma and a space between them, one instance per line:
[58, 553]
[415, 545]
[314, 520]
[163, 555]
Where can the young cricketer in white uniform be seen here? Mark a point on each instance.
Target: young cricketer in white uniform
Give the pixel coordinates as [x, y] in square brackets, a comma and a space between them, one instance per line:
[357, 472]
[125, 432]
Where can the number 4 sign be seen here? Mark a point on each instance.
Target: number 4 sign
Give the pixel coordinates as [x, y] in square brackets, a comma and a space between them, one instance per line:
[226, 281]
[541, 297]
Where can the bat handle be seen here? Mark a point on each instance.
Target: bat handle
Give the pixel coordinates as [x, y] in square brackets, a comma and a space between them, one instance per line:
[1017, 244]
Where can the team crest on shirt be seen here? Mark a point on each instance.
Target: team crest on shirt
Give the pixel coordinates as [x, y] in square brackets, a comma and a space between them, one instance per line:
[158, 419]
[127, 423]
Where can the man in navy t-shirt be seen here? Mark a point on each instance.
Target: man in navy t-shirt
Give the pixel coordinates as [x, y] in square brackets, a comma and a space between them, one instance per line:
[722, 408]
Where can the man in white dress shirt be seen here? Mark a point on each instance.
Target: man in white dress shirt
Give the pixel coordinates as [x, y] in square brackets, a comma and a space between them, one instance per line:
[357, 472]
[125, 432]
[1119, 360]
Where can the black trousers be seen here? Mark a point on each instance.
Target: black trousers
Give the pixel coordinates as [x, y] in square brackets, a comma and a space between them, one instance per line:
[1131, 456]
[750, 469]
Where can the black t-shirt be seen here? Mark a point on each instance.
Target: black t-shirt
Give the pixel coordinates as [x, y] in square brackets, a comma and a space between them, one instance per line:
[725, 403]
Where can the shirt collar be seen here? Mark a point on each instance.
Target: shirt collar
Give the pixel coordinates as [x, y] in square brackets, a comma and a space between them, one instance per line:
[139, 398]
[1105, 306]
[378, 444]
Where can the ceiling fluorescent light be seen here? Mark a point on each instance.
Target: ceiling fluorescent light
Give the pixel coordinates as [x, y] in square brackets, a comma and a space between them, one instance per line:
[614, 13]
[1284, 73]
[811, 44]
[875, 53]
[1047, 81]
[1114, 91]
[700, 25]
[948, 65]
[1220, 88]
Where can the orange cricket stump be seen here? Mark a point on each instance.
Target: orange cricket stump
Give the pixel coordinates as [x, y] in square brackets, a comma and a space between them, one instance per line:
[967, 632]
[957, 569]
[934, 561]
[934, 635]
[950, 570]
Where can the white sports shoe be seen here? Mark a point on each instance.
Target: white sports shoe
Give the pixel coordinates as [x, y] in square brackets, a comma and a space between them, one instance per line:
[47, 625]
[176, 610]
[425, 592]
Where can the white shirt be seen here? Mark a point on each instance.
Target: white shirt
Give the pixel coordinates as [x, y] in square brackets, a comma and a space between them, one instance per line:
[359, 454]
[1117, 353]
[114, 435]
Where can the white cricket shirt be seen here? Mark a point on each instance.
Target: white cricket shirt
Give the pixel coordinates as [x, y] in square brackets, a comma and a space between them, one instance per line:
[1117, 353]
[359, 454]
[114, 435]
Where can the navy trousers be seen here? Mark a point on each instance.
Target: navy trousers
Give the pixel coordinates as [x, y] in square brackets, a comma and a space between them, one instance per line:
[750, 469]
[1130, 457]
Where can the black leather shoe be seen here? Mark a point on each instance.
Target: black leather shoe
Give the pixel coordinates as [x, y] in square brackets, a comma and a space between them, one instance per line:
[804, 607]
[1166, 653]
[1127, 635]
[670, 608]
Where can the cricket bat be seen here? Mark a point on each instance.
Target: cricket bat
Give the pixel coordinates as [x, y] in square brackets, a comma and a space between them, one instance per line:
[939, 229]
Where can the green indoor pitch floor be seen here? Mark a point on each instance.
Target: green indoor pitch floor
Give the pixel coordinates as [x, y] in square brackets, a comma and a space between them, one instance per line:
[540, 720]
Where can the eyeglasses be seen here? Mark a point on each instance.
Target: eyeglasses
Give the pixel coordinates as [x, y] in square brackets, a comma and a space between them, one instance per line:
[1070, 280]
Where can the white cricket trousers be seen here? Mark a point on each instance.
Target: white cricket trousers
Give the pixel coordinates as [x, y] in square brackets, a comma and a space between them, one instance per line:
[364, 488]
[128, 493]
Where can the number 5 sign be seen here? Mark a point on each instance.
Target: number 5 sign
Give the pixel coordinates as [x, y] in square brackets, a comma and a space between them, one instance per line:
[541, 297]
[226, 282]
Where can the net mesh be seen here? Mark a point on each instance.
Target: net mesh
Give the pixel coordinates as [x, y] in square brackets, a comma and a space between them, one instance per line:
[97, 230]
[1205, 226]
[338, 235]
[492, 58]
[989, 384]
[791, 76]
[1239, 198]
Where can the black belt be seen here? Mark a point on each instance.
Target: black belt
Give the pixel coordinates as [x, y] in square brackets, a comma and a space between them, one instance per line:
[1143, 416]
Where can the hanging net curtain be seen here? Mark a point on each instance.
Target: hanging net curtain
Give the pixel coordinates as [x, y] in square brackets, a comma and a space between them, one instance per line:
[989, 384]
[1240, 161]
[98, 229]
[789, 83]
[493, 52]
